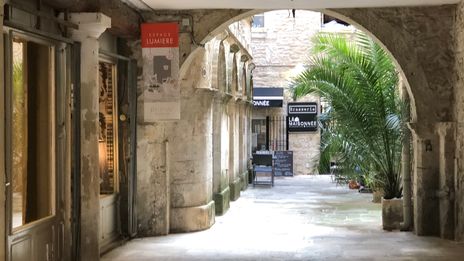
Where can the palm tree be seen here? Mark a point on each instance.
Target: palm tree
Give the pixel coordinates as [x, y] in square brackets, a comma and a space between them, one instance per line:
[363, 127]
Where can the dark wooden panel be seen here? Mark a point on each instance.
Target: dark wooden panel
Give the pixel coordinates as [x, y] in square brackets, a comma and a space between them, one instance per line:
[21, 249]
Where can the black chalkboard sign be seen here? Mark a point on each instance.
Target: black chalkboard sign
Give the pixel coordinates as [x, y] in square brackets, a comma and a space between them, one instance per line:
[283, 163]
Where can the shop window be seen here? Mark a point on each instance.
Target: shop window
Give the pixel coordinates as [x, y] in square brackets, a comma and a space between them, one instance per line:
[107, 129]
[258, 21]
[258, 134]
[327, 19]
[32, 132]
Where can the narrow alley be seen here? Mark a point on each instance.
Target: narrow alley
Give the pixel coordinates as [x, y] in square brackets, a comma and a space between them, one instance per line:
[301, 218]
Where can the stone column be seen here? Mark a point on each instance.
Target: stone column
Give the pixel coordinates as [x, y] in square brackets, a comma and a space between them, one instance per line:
[244, 143]
[241, 141]
[233, 108]
[91, 26]
[425, 179]
[234, 180]
[2, 141]
[191, 164]
[221, 191]
[249, 111]
[446, 194]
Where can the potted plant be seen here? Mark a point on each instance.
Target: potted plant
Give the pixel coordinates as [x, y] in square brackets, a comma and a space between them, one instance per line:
[373, 183]
[362, 124]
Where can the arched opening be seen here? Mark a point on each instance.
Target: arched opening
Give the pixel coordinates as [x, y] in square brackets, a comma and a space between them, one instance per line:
[404, 64]
[220, 186]
[237, 79]
[250, 13]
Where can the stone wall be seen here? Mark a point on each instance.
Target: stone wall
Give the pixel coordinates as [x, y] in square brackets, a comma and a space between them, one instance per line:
[241, 30]
[280, 51]
[281, 48]
[190, 169]
[306, 146]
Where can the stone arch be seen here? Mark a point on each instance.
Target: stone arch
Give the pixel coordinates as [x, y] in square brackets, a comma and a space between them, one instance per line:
[222, 68]
[243, 76]
[219, 65]
[249, 82]
[421, 42]
[415, 62]
[220, 139]
[233, 74]
[344, 14]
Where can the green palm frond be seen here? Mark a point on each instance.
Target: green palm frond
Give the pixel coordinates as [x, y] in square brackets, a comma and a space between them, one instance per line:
[364, 126]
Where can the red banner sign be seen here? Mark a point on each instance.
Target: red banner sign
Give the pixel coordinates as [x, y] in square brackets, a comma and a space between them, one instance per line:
[160, 35]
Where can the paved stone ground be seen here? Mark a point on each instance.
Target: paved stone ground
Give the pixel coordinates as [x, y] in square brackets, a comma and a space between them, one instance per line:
[301, 218]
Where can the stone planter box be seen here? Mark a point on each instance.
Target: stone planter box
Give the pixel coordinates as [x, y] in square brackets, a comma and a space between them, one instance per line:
[392, 213]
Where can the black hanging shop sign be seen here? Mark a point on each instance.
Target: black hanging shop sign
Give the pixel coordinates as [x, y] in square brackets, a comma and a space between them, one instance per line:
[268, 97]
[302, 117]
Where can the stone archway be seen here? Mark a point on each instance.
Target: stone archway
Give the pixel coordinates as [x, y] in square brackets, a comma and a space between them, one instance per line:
[420, 57]
[420, 39]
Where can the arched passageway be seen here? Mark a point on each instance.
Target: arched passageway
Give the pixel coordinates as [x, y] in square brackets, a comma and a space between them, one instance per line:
[427, 72]
[173, 163]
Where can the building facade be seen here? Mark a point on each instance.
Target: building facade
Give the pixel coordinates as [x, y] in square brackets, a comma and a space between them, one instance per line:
[281, 43]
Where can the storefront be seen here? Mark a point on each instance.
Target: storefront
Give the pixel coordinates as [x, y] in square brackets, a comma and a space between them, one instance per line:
[268, 123]
[37, 84]
[53, 78]
[286, 127]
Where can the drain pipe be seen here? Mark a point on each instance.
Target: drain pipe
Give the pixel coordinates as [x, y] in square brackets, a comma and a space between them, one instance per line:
[406, 170]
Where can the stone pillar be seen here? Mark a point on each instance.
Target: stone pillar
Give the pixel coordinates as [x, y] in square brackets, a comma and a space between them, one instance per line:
[244, 150]
[191, 164]
[241, 142]
[406, 225]
[425, 179]
[245, 143]
[446, 194]
[2, 141]
[234, 180]
[153, 179]
[221, 191]
[91, 26]
[249, 115]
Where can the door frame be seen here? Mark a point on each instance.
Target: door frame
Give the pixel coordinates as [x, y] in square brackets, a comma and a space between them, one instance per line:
[111, 201]
[128, 199]
[60, 159]
[76, 151]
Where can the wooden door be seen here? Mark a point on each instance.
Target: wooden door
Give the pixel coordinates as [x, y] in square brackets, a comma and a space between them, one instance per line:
[35, 154]
[108, 156]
